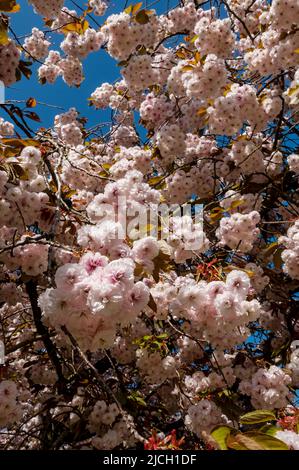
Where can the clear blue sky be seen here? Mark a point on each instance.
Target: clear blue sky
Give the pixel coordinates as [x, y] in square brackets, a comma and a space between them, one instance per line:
[98, 67]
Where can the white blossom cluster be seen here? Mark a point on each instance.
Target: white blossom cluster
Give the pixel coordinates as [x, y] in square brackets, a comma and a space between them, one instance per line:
[36, 44]
[290, 255]
[268, 388]
[10, 409]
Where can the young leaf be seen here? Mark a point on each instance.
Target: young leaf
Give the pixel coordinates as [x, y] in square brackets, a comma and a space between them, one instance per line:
[152, 304]
[233, 442]
[235, 204]
[129, 9]
[266, 442]
[9, 6]
[187, 68]
[258, 416]
[31, 103]
[3, 33]
[155, 180]
[269, 429]
[192, 40]
[32, 115]
[197, 56]
[136, 8]
[201, 111]
[220, 435]
[292, 91]
[142, 17]
[23, 67]
[77, 26]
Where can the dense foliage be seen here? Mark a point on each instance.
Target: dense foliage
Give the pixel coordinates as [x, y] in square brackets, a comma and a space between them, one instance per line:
[177, 331]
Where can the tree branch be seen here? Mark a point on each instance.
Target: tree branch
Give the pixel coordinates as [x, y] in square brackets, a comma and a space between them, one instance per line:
[31, 289]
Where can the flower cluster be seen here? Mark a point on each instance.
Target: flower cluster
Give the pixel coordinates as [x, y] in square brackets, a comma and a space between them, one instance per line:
[155, 369]
[10, 409]
[124, 35]
[229, 112]
[155, 110]
[171, 143]
[47, 8]
[99, 7]
[218, 311]
[93, 297]
[68, 128]
[32, 259]
[293, 162]
[242, 203]
[9, 61]
[214, 37]
[293, 365]
[6, 128]
[54, 66]
[268, 388]
[102, 413]
[80, 45]
[239, 231]
[205, 81]
[36, 44]
[182, 19]
[101, 96]
[291, 438]
[290, 255]
[257, 278]
[203, 417]
[186, 238]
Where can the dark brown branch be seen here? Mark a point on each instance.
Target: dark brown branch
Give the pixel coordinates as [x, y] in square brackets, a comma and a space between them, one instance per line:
[16, 121]
[239, 19]
[31, 289]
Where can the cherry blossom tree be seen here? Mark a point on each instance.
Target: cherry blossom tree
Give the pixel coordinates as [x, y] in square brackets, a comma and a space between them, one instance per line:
[124, 333]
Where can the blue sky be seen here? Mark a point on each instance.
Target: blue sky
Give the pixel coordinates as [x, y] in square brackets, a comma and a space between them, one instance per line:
[98, 67]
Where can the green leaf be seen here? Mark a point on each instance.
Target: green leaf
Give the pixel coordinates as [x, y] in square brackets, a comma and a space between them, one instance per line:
[129, 9]
[192, 40]
[258, 416]
[233, 442]
[155, 180]
[269, 429]
[235, 204]
[137, 397]
[267, 442]
[220, 435]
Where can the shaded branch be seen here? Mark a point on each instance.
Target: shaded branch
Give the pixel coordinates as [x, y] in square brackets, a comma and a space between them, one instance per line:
[31, 289]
